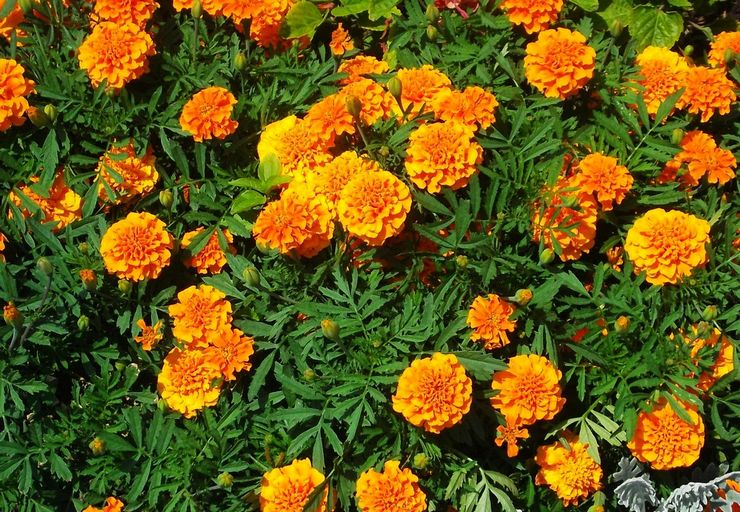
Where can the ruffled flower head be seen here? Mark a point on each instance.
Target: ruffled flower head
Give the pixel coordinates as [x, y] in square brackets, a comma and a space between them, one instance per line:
[490, 319]
[137, 247]
[189, 381]
[62, 204]
[359, 67]
[724, 43]
[534, 15]
[329, 118]
[149, 335]
[298, 148]
[559, 63]
[14, 88]
[230, 350]
[207, 115]
[200, 314]
[708, 92]
[699, 157]
[267, 21]
[124, 175]
[329, 180]
[111, 505]
[661, 73]
[287, 489]
[419, 86]
[392, 490]
[473, 107]
[603, 177]
[138, 12]
[376, 102]
[211, 258]
[341, 42]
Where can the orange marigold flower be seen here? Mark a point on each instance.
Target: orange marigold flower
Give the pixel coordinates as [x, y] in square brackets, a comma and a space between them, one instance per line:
[393, 489]
[603, 177]
[14, 87]
[329, 118]
[667, 245]
[126, 175]
[239, 10]
[10, 23]
[666, 441]
[149, 335]
[442, 155]
[207, 115]
[661, 73]
[116, 53]
[528, 390]
[111, 505]
[137, 247]
[62, 204]
[298, 148]
[287, 489]
[474, 107]
[708, 92]
[434, 393]
[568, 469]
[212, 7]
[723, 43]
[358, 67]
[329, 180]
[559, 63]
[373, 206]
[298, 221]
[341, 41]
[534, 15]
[377, 103]
[267, 21]
[724, 361]
[490, 319]
[419, 86]
[509, 435]
[200, 315]
[3, 239]
[230, 350]
[566, 218]
[12, 315]
[189, 381]
[615, 257]
[124, 11]
[211, 258]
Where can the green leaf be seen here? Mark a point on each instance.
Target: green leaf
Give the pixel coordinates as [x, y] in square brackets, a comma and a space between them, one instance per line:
[618, 14]
[247, 200]
[302, 20]
[684, 4]
[481, 366]
[586, 5]
[654, 27]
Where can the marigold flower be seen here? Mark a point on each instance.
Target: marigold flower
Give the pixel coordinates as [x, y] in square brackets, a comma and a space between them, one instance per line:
[287, 489]
[212, 7]
[708, 92]
[62, 205]
[420, 86]
[358, 67]
[329, 180]
[534, 15]
[266, 23]
[377, 103]
[723, 42]
[490, 319]
[442, 154]
[667, 245]
[661, 73]
[603, 177]
[528, 390]
[137, 247]
[474, 107]
[373, 206]
[434, 393]
[701, 157]
[568, 470]
[211, 258]
[200, 315]
[89, 278]
[239, 10]
[329, 118]
[189, 381]
[509, 435]
[298, 221]
[3, 239]
[138, 12]
[111, 505]
[393, 489]
[148, 336]
[724, 361]
[126, 176]
[664, 440]
[615, 257]
[341, 41]
[298, 148]
[116, 53]
[12, 316]
[14, 87]
[230, 350]
[207, 115]
[559, 63]
[11, 23]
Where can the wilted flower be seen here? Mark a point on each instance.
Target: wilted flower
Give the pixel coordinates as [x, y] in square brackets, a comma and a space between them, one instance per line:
[148, 336]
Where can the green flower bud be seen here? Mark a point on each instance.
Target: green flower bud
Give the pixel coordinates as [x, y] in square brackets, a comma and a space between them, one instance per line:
[240, 61]
[125, 286]
[688, 51]
[523, 296]
[309, 374]
[432, 13]
[432, 33]
[166, 198]
[51, 112]
[97, 446]
[622, 324]
[377, 343]
[462, 261]
[354, 106]
[84, 248]
[384, 151]
[395, 87]
[251, 276]
[83, 322]
[330, 329]
[421, 461]
[45, 266]
[710, 313]
[616, 27]
[547, 256]
[225, 480]
[677, 136]
[197, 10]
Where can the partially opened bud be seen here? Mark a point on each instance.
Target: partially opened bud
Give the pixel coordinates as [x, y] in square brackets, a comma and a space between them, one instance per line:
[89, 278]
[97, 446]
[12, 316]
[38, 118]
[523, 296]
[622, 324]
[51, 112]
[330, 329]
[45, 266]
[709, 313]
[395, 87]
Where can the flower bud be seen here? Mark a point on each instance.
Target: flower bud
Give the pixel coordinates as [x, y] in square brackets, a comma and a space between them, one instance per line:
[26, 6]
[225, 480]
[45, 266]
[166, 198]
[240, 61]
[421, 461]
[709, 313]
[546, 256]
[197, 9]
[89, 278]
[309, 374]
[677, 136]
[395, 87]
[432, 13]
[83, 322]
[376, 343]
[38, 118]
[432, 32]
[251, 276]
[688, 51]
[84, 248]
[97, 446]
[353, 105]
[622, 324]
[51, 112]
[162, 405]
[125, 286]
[616, 27]
[12, 316]
[384, 151]
[523, 296]
[461, 261]
[330, 329]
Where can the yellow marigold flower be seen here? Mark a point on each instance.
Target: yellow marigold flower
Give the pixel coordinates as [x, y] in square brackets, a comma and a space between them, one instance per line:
[212, 7]
[420, 86]
[603, 177]
[667, 245]
[442, 155]
[137, 247]
[266, 23]
[111, 505]
[509, 435]
[534, 15]
[207, 115]
[62, 205]
[490, 319]
[723, 42]
[117, 53]
[287, 489]
[661, 73]
[724, 362]
[149, 335]
[14, 87]
[377, 103]
[474, 107]
[393, 489]
[329, 118]
[298, 221]
[189, 381]
[329, 180]
[373, 206]
[559, 63]
[11, 22]
[708, 91]
[200, 315]
[434, 393]
[126, 176]
[230, 350]
[138, 12]
[528, 390]
[298, 148]
[664, 440]
[567, 218]
[568, 470]
[358, 67]
[211, 258]
[341, 41]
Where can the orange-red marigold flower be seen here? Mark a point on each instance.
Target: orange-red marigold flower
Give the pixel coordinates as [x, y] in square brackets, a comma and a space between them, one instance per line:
[288, 488]
[11, 23]
[230, 350]
[392, 490]
[534, 15]
[419, 86]
[62, 204]
[708, 92]
[200, 314]
[358, 67]
[329, 118]
[111, 505]
[126, 175]
[14, 88]
[149, 335]
[207, 115]
[89, 278]
[341, 41]
[490, 319]
[189, 381]
[473, 107]
[661, 73]
[329, 179]
[723, 43]
[559, 63]
[137, 247]
[211, 258]
[510, 435]
[124, 11]
[603, 177]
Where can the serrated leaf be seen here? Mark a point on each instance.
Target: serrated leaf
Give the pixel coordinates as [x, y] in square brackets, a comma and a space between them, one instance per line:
[586, 5]
[302, 20]
[654, 27]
